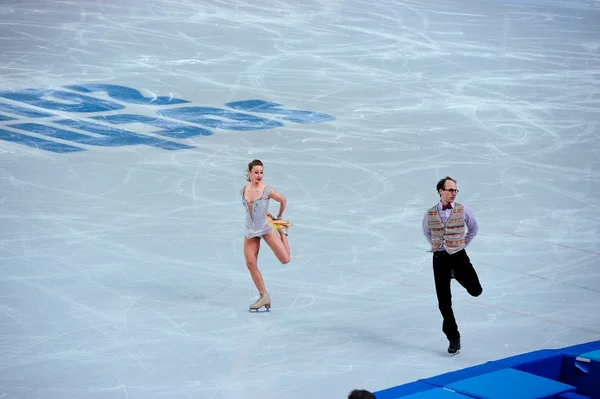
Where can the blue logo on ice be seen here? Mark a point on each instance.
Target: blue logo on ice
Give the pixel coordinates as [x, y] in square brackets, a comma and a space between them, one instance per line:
[68, 120]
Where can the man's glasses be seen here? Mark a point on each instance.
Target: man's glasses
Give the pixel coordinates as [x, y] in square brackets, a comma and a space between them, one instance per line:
[451, 190]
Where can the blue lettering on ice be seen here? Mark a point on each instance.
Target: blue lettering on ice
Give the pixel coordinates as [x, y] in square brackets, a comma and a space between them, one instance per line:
[118, 137]
[72, 102]
[240, 121]
[37, 142]
[170, 129]
[197, 121]
[125, 94]
[30, 113]
[265, 107]
[111, 137]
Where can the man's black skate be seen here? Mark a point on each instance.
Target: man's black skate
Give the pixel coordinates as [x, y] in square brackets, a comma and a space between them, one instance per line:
[454, 347]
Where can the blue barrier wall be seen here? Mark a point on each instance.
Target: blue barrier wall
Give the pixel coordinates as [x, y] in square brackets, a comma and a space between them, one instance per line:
[567, 373]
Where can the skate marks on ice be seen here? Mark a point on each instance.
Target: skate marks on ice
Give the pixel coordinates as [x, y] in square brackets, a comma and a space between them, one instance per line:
[120, 274]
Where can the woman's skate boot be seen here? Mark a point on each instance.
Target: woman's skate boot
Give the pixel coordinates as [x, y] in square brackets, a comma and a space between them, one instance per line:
[263, 300]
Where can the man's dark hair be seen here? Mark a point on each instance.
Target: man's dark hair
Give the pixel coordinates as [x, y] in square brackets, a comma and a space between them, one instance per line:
[361, 394]
[442, 183]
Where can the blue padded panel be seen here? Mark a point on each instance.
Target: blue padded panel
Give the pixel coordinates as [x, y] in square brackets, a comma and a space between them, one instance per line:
[510, 383]
[593, 355]
[576, 350]
[447, 378]
[436, 393]
[528, 357]
[548, 367]
[403, 390]
[444, 379]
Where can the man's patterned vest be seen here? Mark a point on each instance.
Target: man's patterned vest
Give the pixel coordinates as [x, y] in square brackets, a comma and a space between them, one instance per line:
[452, 235]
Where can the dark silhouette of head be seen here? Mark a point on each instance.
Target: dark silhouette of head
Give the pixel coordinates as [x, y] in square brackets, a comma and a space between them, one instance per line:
[361, 394]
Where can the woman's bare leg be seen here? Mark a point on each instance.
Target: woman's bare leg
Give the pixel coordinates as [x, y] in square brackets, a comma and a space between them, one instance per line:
[251, 248]
[286, 244]
[280, 246]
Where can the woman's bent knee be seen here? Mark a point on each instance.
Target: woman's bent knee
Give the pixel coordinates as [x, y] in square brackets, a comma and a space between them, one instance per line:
[251, 266]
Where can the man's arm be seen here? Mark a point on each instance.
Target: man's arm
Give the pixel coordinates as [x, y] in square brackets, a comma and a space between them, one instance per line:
[471, 223]
[426, 230]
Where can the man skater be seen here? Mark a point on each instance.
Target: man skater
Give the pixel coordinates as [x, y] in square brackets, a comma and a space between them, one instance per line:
[444, 228]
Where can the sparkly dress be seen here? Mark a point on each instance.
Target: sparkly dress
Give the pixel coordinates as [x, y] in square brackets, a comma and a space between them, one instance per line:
[256, 216]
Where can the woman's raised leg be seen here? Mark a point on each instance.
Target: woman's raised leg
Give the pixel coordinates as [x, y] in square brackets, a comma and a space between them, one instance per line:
[280, 245]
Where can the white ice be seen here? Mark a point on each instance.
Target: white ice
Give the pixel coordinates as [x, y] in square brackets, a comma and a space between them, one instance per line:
[122, 273]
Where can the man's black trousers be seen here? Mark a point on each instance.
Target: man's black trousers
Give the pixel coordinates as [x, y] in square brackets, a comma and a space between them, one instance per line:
[446, 266]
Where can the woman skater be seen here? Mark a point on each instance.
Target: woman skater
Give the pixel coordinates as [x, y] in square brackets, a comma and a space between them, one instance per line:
[255, 197]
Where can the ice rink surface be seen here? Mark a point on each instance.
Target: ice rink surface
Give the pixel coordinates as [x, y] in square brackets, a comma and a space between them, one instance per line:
[122, 273]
